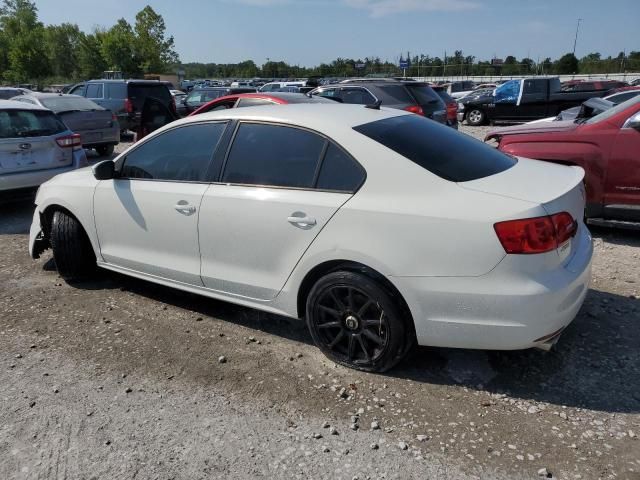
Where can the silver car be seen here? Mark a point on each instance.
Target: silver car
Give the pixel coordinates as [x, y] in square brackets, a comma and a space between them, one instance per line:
[35, 145]
[98, 127]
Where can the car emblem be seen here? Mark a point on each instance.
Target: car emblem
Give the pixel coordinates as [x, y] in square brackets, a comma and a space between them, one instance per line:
[25, 146]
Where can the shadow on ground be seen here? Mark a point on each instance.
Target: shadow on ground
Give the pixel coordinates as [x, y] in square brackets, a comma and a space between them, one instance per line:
[596, 364]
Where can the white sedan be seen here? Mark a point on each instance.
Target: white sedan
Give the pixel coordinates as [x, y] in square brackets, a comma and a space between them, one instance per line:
[379, 227]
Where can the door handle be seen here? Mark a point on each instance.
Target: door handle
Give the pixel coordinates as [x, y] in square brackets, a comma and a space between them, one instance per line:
[301, 219]
[184, 208]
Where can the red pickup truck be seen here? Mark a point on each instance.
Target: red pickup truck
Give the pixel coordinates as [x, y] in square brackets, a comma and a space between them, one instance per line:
[607, 146]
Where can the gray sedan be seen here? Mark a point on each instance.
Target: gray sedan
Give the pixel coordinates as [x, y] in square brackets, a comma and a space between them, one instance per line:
[97, 126]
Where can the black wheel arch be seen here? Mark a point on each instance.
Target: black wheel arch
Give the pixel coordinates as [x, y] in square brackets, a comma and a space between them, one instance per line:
[325, 268]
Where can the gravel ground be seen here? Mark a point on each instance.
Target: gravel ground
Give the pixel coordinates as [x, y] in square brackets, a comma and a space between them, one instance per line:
[120, 378]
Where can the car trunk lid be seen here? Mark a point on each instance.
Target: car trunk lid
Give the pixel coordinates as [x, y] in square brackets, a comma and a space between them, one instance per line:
[557, 188]
[32, 153]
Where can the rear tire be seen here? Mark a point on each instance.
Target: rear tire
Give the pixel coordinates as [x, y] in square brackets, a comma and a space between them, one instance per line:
[476, 117]
[356, 322]
[72, 250]
[105, 150]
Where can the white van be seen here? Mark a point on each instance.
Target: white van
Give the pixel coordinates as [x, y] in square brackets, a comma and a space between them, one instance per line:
[276, 86]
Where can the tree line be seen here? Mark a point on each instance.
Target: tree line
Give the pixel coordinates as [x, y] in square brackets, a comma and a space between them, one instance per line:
[33, 52]
[422, 66]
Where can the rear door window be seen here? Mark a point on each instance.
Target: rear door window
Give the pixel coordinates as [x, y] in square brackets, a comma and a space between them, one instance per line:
[116, 90]
[273, 155]
[339, 171]
[181, 155]
[94, 90]
[439, 149]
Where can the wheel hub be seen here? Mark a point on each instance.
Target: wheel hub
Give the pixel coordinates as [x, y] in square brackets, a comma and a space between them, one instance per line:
[351, 322]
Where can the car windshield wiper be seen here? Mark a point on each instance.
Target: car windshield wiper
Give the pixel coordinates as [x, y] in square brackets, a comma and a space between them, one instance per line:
[71, 111]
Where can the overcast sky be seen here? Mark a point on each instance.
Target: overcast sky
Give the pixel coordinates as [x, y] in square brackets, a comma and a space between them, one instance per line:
[308, 32]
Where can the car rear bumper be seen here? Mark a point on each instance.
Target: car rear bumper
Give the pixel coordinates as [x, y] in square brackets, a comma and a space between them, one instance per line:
[106, 136]
[33, 178]
[502, 310]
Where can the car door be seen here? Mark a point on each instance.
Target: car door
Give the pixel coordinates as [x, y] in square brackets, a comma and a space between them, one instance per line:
[271, 201]
[622, 187]
[147, 218]
[533, 103]
[505, 101]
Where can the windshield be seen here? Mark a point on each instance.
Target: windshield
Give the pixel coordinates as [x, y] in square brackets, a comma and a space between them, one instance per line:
[613, 111]
[29, 123]
[66, 104]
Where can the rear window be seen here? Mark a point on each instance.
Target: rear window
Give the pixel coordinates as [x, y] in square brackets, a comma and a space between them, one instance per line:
[439, 149]
[7, 93]
[69, 104]
[398, 93]
[424, 95]
[29, 123]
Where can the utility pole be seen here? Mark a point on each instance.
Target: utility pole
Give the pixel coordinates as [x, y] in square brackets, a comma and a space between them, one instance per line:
[576, 39]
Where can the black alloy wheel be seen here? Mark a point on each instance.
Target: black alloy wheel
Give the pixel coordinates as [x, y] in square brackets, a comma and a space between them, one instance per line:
[355, 322]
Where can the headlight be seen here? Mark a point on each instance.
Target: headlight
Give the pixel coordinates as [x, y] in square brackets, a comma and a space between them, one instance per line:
[460, 106]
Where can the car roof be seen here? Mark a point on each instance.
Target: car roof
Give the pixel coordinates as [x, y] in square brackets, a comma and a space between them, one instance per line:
[128, 80]
[15, 105]
[291, 97]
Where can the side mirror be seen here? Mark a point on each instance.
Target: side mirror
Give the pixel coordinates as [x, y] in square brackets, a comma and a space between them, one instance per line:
[104, 170]
[633, 122]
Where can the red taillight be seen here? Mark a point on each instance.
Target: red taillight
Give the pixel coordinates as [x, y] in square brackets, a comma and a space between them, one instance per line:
[128, 105]
[173, 105]
[70, 141]
[417, 109]
[452, 111]
[536, 235]
[566, 227]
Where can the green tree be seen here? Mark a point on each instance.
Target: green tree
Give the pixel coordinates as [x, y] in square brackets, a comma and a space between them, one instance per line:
[62, 43]
[91, 64]
[24, 37]
[118, 49]
[155, 50]
[567, 64]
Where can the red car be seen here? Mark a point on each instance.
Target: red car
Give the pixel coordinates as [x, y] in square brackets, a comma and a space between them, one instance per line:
[254, 99]
[607, 146]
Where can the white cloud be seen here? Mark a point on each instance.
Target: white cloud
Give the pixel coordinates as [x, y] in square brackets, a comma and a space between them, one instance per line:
[381, 8]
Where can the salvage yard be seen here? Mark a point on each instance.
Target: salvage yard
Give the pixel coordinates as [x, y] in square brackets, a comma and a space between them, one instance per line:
[120, 378]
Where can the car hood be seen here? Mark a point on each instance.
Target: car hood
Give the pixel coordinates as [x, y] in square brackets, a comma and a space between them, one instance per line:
[542, 127]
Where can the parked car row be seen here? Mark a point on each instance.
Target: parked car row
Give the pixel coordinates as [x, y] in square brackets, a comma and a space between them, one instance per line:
[606, 146]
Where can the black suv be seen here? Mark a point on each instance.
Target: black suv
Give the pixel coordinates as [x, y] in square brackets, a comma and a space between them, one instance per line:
[412, 96]
[199, 96]
[125, 98]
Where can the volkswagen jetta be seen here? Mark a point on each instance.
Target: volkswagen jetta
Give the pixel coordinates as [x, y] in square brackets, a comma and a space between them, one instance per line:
[379, 227]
